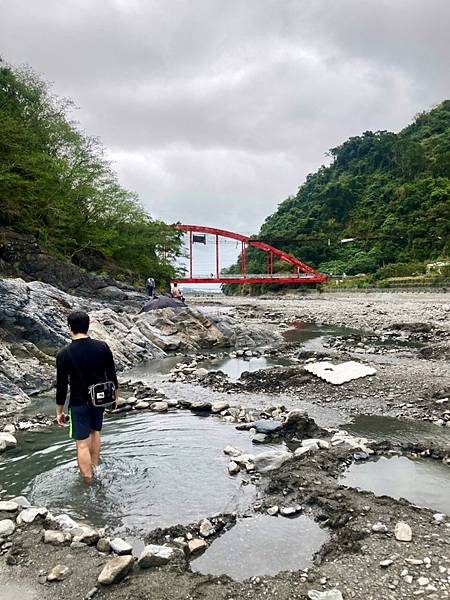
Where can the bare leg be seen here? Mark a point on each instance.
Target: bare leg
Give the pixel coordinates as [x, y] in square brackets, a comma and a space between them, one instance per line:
[95, 447]
[84, 459]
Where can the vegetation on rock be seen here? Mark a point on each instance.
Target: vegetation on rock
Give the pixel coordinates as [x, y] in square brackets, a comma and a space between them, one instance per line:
[57, 184]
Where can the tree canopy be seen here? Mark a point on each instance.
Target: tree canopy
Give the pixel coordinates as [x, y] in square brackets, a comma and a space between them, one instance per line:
[389, 193]
[56, 183]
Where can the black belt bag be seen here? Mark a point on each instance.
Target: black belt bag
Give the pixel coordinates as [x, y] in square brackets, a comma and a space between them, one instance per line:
[102, 394]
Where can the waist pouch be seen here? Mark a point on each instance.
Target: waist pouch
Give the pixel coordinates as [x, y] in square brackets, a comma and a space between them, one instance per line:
[102, 394]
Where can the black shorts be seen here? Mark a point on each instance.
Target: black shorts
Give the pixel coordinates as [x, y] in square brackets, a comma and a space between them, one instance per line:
[84, 419]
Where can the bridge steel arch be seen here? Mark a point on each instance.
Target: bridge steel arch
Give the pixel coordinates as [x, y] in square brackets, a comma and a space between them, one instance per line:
[302, 273]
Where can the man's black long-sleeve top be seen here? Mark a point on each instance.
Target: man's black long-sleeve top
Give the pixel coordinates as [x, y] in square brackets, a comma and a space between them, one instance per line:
[83, 362]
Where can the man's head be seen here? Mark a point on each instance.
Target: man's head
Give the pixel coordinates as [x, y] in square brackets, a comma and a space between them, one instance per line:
[175, 285]
[78, 321]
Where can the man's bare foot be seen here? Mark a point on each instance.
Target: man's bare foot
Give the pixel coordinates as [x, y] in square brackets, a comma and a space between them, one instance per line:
[87, 480]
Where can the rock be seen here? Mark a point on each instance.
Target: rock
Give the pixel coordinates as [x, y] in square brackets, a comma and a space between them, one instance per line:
[21, 501]
[29, 515]
[7, 527]
[423, 581]
[260, 438]
[7, 440]
[379, 528]
[439, 517]
[196, 545]
[218, 407]
[207, 528]
[386, 563]
[269, 461]
[56, 538]
[103, 545]
[201, 406]
[273, 510]
[8, 506]
[290, 511]
[65, 523]
[59, 573]
[298, 423]
[266, 426]
[328, 595]
[142, 405]
[155, 556]
[200, 373]
[231, 451]
[85, 535]
[9, 428]
[302, 451]
[159, 406]
[323, 445]
[120, 546]
[233, 468]
[403, 532]
[115, 570]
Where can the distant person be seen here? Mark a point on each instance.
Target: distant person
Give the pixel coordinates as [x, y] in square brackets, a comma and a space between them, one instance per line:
[150, 287]
[83, 363]
[176, 292]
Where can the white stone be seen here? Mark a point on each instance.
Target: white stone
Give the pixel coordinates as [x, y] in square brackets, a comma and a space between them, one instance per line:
[85, 535]
[120, 546]
[196, 545]
[9, 428]
[65, 522]
[55, 538]
[439, 517]
[59, 573]
[8, 506]
[142, 405]
[155, 556]
[159, 406]
[403, 532]
[423, 581]
[29, 515]
[386, 563]
[7, 527]
[273, 510]
[327, 595]
[231, 451]
[9, 441]
[21, 501]
[379, 528]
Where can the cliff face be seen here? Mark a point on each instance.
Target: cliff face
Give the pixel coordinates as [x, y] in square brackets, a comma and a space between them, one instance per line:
[20, 256]
[33, 327]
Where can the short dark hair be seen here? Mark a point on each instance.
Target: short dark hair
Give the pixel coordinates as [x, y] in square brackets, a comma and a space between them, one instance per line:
[78, 321]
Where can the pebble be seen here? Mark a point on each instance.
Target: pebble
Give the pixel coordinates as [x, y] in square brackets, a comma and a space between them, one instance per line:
[273, 510]
[289, 511]
[59, 573]
[7, 527]
[386, 563]
[379, 528]
[207, 528]
[422, 581]
[197, 545]
[103, 545]
[403, 532]
[233, 468]
[55, 538]
[327, 595]
[120, 546]
[29, 515]
[8, 506]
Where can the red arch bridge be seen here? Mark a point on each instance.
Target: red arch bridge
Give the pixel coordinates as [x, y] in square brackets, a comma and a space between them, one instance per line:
[301, 272]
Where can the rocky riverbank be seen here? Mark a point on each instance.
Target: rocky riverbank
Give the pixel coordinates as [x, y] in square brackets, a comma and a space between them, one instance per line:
[379, 547]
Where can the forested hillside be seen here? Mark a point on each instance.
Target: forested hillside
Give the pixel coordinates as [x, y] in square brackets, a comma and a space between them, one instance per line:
[389, 193]
[56, 184]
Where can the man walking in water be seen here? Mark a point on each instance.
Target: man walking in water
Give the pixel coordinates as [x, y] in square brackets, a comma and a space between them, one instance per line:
[83, 363]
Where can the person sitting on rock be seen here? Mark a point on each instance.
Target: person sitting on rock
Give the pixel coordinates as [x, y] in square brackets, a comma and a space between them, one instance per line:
[83, 363]
[176, 292]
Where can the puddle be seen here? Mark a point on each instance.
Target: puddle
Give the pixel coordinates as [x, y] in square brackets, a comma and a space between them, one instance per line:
[263, 545]
[423, 482]
[402, 431]
[157, 470]
[307, 334]
[234, 367]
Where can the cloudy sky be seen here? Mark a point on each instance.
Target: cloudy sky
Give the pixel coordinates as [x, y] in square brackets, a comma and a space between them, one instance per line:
[214, 111]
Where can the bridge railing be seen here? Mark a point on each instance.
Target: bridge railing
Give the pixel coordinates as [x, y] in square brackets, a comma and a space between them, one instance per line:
[255, 276]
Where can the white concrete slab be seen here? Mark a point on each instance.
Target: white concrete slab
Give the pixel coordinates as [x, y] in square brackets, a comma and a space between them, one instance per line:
[339, 374]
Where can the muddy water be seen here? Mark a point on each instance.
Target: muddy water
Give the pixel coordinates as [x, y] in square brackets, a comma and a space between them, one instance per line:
[311, 334]
[157, 470]
[401, 431]
[424, 482]
[263, 545]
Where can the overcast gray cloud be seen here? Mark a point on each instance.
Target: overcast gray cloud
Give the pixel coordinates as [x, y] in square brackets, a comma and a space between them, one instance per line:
[215, 110]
